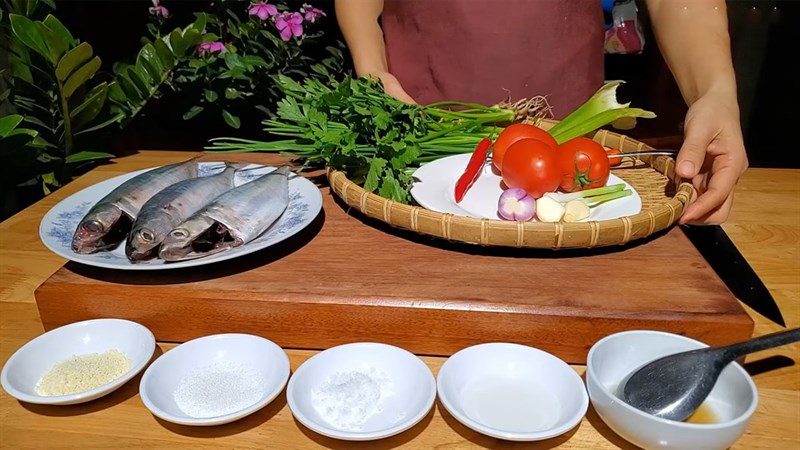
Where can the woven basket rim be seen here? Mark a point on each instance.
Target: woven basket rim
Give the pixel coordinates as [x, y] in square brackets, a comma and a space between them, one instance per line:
[673, 206]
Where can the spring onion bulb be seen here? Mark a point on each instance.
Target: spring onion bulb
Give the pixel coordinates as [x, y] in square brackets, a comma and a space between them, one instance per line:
[516, 204]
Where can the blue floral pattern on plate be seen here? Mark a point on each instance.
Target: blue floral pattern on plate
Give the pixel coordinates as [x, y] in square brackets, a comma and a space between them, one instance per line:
[58, 226]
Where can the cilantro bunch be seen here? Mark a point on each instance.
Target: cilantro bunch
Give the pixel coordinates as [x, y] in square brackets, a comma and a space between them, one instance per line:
[355, 127]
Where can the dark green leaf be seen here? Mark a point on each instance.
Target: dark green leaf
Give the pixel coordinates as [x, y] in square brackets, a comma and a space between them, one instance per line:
[231, 93]
[59, 29]
[72, 60]
[90, 108]
[116, 118]
[57, 38]
[81, 76]
[131, 91]
[8, 123]
[193, 111]
[230, 119]
[148, 59]
[87, 156]
[164, 53]
[139, 81]
[199, 24]
[28, 33]
[211, 96]
[177, 43]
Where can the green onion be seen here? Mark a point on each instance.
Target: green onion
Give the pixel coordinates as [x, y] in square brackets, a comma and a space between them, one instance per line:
[594, 201]
[601, 109]
[591, 192]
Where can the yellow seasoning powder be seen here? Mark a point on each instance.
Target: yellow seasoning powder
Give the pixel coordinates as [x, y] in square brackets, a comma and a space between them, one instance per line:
[82, 373]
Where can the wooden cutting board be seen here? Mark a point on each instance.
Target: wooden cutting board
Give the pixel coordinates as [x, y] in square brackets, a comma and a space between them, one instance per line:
[347, 278]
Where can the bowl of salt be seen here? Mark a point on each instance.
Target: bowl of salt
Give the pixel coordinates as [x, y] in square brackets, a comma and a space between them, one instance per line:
[361, 391]
[215, 379]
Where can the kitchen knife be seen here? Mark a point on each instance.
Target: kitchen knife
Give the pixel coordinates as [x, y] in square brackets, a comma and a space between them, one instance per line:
[722, 255]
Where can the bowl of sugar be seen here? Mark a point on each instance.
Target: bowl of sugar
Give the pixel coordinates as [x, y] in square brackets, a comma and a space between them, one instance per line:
[214, 379]
[512, 392]
[78, 362]
[361, 391]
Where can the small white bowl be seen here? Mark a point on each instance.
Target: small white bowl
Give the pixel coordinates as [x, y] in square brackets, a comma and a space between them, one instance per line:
[262, 356]
[408, 393]
[27, 365]
[512, 392]
[611, 359]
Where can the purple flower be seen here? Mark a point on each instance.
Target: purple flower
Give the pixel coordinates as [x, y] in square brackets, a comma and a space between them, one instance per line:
[208, 47]
[310, 13]
[289, 24]
[158, 10]
[263, 10]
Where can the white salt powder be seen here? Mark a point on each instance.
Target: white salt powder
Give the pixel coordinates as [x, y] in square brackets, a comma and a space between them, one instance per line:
[218, 389]
[346, 400]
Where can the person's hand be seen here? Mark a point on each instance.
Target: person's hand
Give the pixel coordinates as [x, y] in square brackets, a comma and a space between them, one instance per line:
[392, 87]
[712, 157]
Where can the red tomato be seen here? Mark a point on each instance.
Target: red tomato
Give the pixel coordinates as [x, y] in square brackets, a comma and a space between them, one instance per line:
[531, 165]
[583, 163]
[512, 134]
[613, 160]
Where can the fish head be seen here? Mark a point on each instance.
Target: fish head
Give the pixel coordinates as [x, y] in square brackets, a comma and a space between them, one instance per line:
[144, 240]
[102, 228]
[177, 244]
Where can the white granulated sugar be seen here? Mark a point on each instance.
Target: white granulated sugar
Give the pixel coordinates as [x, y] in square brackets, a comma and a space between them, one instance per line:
[81, 373]
[218, 389]
[346, 400]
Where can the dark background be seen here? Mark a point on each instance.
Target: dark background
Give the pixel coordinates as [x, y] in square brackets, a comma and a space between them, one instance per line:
[764, 35]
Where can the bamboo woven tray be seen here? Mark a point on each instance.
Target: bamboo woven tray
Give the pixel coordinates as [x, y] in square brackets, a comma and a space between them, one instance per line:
[663, 193]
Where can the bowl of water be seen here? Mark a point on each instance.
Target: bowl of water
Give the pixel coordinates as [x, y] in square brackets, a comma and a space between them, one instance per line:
[512, 392]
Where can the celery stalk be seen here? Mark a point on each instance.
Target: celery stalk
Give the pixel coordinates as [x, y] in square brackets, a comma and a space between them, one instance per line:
[601, 109]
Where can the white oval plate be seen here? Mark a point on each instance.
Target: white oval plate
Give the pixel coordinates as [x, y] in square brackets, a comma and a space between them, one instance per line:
[436, 180]
[27, 365]
[406, 397]
[59, 224]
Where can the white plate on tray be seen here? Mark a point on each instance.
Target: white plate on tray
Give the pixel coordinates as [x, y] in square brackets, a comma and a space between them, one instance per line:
[436, 180]
[59, 224]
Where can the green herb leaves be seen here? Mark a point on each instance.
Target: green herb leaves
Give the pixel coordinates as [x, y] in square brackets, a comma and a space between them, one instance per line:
[354, 126]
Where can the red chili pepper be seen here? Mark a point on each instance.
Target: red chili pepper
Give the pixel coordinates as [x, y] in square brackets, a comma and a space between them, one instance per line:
[474, 168]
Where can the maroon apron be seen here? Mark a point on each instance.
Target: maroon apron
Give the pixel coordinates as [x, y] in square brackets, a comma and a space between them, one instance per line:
[488, 51]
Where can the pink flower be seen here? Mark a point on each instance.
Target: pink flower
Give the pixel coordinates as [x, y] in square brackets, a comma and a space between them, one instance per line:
[289, 24]
[158, 10]
[311, 14]
[263, 10]
[208, 47]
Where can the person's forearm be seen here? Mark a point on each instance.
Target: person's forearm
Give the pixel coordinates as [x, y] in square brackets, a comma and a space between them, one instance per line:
[358, 20]
[693, 37]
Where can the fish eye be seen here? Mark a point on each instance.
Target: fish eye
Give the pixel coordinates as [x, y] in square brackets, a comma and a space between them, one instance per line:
[93, 226]
[180, 233]
[147, 235]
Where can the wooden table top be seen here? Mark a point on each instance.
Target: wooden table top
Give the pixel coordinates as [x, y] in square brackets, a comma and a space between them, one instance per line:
[765, 225]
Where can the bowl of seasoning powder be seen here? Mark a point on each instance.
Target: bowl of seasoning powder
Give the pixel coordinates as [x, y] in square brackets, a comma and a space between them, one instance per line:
[361, 391]
[78, 362]
[215, 379]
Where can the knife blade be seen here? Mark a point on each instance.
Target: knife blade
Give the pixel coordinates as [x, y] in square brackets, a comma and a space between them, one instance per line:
[722, 255]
